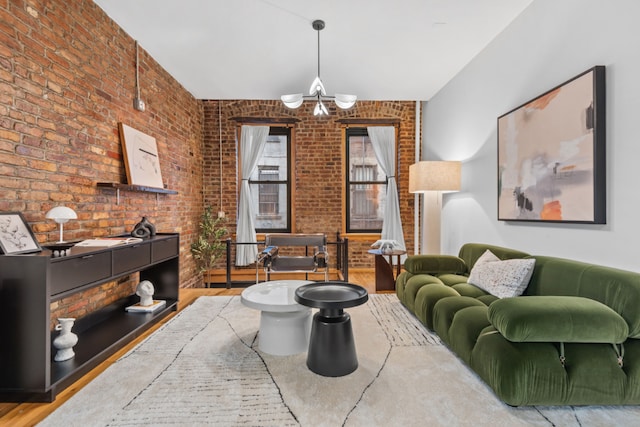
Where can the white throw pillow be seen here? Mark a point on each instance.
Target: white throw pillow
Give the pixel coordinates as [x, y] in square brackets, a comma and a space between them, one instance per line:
[487, 256]
[503, 279]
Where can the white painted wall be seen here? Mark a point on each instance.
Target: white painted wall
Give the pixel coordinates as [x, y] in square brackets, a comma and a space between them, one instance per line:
[549, 43]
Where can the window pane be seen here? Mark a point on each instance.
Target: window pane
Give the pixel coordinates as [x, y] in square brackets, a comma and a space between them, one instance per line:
[363, 164]
[275, 154]
[269, 184]
[366, 206]
[271, 201]
[366, 183]
[268, 193]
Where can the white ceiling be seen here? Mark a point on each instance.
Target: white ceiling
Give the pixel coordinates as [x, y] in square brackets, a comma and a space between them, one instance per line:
[261, 49]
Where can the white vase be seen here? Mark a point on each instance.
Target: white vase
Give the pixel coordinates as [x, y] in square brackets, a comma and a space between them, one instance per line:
[65, 341]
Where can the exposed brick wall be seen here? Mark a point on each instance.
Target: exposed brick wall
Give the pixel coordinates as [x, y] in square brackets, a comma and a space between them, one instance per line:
[318, 163]
[67, 77]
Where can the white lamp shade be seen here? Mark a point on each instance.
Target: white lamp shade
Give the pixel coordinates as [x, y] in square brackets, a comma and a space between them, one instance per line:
[320, 109]
[345, 101]
[434, 176]
[293, 100]
[317, 87]
[61, 214]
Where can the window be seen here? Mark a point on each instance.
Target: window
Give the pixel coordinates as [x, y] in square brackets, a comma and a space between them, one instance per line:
[268, 200]
[366, 184]
[270, 184]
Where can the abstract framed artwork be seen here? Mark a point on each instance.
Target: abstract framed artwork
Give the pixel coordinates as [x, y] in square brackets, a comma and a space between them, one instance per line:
[551, 155]
[141, 157]
[16, 236]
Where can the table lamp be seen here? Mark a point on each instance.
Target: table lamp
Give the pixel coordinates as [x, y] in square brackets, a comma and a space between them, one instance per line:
[61, 215]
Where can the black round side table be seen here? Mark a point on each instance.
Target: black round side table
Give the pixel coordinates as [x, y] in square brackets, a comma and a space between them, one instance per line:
[332, 350]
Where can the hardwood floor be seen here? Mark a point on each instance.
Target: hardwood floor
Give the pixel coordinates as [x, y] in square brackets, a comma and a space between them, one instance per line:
[29, 414]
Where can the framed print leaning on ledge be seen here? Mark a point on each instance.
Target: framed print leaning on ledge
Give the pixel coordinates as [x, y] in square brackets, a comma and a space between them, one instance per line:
[16, 236]
[551, 155]
[141, 157]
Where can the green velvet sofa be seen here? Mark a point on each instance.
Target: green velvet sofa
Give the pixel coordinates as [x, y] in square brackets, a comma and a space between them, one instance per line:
[572, 337]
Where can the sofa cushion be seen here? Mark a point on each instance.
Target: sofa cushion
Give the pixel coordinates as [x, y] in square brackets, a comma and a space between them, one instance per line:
[618, 289]
[435, 264]
[503, 279]
[529, 373]
[557, 319]
[412, 285]
[426, 299]
[452, 279]
[446, 309]
[466, 326]
[469, 290]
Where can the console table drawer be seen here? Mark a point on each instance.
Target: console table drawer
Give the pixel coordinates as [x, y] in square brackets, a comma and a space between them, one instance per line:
[163, 249]
[131, 258]
[70, 273]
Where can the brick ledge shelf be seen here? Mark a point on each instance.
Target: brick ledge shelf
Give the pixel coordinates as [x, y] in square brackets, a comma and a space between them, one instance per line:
[128, 187]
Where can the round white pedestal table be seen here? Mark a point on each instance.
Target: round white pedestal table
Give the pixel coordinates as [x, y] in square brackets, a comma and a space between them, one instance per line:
[285, 325]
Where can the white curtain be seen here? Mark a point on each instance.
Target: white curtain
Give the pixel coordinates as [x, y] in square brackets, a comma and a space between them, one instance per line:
[252, 142]
[383, 139]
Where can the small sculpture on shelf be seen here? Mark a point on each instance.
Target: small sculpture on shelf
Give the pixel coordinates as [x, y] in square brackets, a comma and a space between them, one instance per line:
[65, 341]
[145, 291]
[144, 229]
[147, 304]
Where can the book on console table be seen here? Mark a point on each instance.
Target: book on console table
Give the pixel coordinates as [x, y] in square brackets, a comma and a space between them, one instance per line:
[137, 308]
[108, 241]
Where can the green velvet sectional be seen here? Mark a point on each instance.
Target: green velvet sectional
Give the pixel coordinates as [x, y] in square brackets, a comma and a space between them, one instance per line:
[572, 338]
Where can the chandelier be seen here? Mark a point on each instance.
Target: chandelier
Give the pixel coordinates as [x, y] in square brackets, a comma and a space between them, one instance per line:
[317, 90]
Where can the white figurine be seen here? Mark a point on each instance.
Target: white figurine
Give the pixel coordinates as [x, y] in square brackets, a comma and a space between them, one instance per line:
[145, 292]
[386, 246]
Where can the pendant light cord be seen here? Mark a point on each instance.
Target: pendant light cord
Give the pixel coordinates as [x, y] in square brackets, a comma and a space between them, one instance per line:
[318, 53]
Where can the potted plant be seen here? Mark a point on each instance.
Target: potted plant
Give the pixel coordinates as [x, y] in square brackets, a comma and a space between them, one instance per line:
[210, 244]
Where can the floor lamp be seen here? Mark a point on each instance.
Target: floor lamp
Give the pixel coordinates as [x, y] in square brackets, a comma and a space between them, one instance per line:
[431, 179]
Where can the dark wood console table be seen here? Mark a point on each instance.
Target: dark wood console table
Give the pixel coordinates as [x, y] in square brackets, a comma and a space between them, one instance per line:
[29, 283]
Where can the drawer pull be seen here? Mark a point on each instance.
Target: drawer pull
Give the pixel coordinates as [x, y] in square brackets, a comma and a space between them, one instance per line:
[87, 256]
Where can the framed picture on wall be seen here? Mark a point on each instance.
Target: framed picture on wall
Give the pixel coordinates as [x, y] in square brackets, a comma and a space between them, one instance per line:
[140, 157]
[16, 236]
[551, 155]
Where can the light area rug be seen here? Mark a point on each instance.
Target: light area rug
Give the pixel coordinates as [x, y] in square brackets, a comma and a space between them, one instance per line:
[204, 368]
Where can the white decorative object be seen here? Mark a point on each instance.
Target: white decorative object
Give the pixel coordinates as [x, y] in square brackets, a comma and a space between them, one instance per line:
[147, 304]
[65, 341]
[139, 308]
[387, 246]
[61, 215]
[145, 291]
